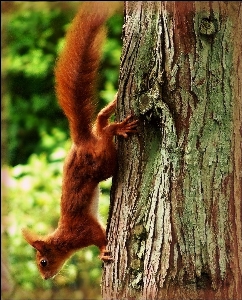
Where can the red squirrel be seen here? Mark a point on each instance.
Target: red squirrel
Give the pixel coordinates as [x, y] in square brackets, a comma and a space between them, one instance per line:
[92, 157]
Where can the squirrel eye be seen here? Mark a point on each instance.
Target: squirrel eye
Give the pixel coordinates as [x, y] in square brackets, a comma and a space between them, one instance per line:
[43, 262]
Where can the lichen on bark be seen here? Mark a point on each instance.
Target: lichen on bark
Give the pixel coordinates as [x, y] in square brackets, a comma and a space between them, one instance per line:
[173, 196]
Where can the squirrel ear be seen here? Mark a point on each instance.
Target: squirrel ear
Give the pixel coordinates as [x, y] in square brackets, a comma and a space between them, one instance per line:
[39, 245]
[33, 239]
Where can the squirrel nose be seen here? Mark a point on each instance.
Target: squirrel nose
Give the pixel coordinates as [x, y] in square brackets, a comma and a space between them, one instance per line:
[46, 276]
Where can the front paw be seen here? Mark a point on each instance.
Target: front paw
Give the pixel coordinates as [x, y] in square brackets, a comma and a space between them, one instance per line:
[105, 256]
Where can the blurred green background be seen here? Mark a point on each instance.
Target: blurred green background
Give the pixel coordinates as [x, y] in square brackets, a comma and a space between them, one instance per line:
[35, 140]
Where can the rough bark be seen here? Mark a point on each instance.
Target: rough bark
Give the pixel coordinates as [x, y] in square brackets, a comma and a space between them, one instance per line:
[175, 220]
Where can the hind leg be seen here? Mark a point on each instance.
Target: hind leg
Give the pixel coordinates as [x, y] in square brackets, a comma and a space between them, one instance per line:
[125, 127]
[103, 128]
[104, 115]
[120, 128]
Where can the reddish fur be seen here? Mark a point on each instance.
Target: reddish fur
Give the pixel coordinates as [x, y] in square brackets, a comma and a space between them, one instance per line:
[92, 157]
[76, 69]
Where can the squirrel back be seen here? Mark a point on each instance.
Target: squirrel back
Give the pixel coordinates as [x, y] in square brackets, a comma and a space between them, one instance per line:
[77, 67]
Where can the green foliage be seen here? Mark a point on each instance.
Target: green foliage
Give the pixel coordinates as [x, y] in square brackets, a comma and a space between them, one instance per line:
[32, 43]
[111, 59]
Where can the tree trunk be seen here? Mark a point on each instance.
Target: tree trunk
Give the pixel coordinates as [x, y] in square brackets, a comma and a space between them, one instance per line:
[175, 220]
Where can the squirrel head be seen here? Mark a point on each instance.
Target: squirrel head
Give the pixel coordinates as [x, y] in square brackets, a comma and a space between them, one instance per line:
[49, 257]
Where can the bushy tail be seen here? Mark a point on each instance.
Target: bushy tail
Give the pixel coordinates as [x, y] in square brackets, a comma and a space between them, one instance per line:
[77, 66]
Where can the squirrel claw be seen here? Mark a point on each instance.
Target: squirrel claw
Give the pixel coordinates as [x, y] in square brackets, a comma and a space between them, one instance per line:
[127, 126]
[105, 256]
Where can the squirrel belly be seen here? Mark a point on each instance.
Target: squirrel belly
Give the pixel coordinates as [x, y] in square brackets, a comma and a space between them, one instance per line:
[92, 157]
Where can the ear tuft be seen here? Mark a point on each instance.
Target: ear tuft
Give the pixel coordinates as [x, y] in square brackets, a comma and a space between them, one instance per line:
[33, 239]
